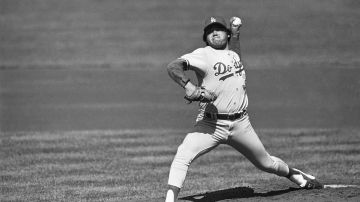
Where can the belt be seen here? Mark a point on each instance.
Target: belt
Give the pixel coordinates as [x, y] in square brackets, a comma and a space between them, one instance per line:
[226, 116]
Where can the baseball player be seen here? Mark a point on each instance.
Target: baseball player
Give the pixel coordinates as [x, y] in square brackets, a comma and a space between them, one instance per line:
[222, 98]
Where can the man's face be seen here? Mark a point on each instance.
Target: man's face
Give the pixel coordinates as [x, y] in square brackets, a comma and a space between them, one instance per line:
[217, 37]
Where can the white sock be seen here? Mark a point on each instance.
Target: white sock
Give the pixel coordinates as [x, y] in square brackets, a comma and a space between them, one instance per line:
[170, 196]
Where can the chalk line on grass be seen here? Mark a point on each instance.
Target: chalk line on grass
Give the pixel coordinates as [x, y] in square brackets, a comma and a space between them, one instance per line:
[341, 186]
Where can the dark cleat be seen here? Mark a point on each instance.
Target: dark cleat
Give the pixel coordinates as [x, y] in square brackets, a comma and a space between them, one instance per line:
[313, 184]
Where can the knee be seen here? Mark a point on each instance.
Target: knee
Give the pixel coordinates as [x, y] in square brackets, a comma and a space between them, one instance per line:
[266, 165]
[186, 152]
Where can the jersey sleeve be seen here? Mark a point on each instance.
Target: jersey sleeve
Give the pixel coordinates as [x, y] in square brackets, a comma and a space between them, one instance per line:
[196, 59]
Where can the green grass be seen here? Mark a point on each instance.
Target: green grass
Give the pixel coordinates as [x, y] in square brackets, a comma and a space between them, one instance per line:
[121, 165]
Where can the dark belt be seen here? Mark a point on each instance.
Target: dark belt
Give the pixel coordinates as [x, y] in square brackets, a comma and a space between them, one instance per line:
[226, 116]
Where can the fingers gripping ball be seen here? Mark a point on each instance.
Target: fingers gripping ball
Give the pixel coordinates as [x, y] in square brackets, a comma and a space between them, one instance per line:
[235, 24]
[235, 21]
[201, 94]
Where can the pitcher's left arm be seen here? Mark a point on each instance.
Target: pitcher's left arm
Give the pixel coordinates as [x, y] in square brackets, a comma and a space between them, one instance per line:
[176, 70]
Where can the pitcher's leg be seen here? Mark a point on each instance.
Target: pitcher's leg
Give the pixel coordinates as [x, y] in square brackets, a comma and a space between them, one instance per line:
[193, 146]
[245, 140]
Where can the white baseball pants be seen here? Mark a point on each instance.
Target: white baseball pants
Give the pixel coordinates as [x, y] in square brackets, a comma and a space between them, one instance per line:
[210, 133]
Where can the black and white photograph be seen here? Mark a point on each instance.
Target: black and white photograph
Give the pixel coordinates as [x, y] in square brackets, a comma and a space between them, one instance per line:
[180, 100]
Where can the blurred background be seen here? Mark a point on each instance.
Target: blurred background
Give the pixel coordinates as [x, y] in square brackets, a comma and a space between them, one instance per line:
[100, 64]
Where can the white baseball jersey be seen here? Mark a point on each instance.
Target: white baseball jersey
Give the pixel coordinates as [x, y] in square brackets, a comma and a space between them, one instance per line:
[220, 71]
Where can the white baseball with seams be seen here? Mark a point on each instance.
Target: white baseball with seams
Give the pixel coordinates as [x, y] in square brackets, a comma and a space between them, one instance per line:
[236, 22]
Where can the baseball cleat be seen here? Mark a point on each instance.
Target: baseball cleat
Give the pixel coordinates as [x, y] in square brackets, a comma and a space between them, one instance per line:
[313, 184]
[307, 182]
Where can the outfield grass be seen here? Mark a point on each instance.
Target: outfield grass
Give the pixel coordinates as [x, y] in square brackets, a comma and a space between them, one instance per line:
[121, 165]
[145, 34]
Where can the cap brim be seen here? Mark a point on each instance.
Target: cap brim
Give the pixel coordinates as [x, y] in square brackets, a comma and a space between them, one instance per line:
[215, 23]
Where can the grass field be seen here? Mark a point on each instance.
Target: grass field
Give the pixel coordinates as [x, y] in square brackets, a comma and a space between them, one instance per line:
[88, 113]
[132, 165]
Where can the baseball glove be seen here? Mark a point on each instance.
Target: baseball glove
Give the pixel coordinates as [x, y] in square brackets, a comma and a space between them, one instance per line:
[200, 94]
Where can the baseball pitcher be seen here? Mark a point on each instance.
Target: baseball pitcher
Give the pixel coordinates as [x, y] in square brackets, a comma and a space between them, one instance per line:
[222, 118]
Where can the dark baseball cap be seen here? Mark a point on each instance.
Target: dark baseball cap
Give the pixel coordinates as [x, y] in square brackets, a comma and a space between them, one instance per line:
[215, 20]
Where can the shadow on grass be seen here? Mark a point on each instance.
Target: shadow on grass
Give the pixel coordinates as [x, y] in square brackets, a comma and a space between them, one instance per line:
[234, 193]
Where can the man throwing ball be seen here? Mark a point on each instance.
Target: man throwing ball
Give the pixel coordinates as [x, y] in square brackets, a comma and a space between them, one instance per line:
[222, 98]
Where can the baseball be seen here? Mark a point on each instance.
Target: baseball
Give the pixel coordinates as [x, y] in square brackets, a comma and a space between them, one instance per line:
[236, 21]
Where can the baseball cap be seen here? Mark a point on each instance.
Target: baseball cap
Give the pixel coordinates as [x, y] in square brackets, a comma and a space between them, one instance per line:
[215, 20]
